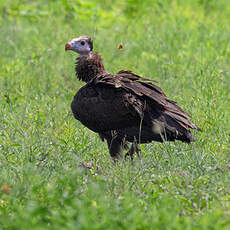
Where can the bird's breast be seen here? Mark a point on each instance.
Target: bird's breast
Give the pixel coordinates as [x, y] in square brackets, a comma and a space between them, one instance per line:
[102, 109]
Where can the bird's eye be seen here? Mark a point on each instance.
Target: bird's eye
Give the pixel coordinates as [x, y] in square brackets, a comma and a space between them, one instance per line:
[82, 43]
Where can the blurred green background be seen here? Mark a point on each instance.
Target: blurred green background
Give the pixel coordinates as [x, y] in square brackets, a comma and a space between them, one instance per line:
[184, 45]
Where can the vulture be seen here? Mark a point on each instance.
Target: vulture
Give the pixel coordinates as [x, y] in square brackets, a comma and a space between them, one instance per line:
[124, 107]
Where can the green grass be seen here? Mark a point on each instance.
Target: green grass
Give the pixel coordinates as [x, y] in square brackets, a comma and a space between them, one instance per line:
[184, 45]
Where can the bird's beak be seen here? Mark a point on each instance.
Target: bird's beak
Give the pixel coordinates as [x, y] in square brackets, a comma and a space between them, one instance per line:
[68, 46]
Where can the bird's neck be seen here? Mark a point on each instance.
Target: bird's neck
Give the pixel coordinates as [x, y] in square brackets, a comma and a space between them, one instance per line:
[89, 66]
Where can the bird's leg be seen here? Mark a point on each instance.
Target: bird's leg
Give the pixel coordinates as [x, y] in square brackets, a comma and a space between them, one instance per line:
[115, 144]
[130, 152]
[137, 150]
[134, 148]
[115, 148]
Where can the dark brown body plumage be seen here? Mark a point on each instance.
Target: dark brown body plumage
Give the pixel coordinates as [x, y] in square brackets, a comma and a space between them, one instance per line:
[126, 107]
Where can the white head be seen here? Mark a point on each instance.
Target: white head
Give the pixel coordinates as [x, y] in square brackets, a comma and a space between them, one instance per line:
[82, 45]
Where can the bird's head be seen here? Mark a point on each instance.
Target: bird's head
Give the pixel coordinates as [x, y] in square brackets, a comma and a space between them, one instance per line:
[82, 45]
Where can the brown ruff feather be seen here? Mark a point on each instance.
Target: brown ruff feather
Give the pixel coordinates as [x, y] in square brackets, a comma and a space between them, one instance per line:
[89, 66]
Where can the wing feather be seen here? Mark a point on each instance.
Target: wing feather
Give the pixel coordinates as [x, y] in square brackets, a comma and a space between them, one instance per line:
[145, 89]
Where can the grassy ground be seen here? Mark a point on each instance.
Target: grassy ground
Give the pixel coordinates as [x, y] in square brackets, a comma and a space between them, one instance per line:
[184, 45]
